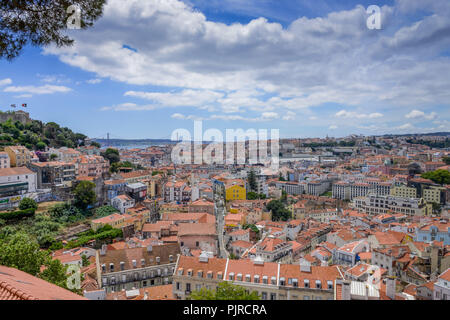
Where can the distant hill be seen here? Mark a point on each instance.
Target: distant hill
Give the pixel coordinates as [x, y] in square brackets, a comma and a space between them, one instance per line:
[15, 128]
[133, 142]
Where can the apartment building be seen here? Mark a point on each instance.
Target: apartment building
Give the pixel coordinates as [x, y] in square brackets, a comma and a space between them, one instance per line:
[272, 250]
[436, 231]
[123, 202]
[442, 287]
[404, 192]
[272, 281]
[14, 184]
[290, 187]
[316, 188]
[374, 205]
[19, 155]
[91, 166]
[65, 154]
[136, 268]
[4, 160]
[53, 173]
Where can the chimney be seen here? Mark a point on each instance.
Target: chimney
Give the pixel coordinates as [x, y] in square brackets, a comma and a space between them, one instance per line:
[103, 249]
[305, 266]
[346, 290]
[390, 287]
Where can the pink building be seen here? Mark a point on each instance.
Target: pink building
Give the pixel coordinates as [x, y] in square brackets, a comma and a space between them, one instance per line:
[91, 166]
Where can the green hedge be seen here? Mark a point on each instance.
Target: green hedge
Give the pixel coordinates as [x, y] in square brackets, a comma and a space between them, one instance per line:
[18, 214]
[111, 234]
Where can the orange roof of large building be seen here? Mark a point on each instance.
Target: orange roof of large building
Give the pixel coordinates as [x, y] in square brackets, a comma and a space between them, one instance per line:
[19, 285]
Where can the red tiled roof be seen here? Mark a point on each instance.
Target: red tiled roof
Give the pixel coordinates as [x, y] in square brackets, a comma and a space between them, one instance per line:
[19, 285]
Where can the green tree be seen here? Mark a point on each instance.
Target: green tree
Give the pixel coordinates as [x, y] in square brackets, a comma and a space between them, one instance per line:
[53, 156]
[446, 160]
[41, 146]
[225, 291]
[20, 251]
[41, 23]
[84, 194]
[279, 212]
[95, 144]
[439, 176]
[55, 272]
[27, 203]
[112, 155]
[85, 261]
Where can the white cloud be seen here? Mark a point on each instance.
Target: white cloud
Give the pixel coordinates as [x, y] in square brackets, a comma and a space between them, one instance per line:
[178, 116]
[190, 98]
[289, 116]
[406, 126]
[46, 89]
[417, 114]
[330, 59]
[129, 107]
[5, 82]
[355, 115]
[333, 127]
[94, 81]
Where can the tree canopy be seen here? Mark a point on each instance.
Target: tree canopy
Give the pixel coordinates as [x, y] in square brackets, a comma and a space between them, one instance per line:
[439, 176]
[279, 211]
[225, 291]
[84, 194]
[43, 22]
[27, 203]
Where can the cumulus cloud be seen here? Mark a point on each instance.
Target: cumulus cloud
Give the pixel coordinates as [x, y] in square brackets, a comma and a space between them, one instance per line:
[46, 89]
[263, 66]
[406, 126]
[355, 115]
[94, 81]
[5, 82]
[417, 114]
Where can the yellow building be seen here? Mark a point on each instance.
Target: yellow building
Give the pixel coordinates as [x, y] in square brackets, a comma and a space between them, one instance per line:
[404, 192]
[235, 191]
[432, 194]
[19, 156]
[115, 220]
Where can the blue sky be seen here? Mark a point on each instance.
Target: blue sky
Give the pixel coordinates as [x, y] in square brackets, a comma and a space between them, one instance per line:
[309, 68]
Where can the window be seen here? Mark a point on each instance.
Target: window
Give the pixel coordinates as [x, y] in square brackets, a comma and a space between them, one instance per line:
[188, 287]
[231, 276]
[273, 296]
[305, 297]
[197, 243]
[318, 284]
[306, 283]
[111, 267]
[330, 285]
[263, 295]
[282, 281]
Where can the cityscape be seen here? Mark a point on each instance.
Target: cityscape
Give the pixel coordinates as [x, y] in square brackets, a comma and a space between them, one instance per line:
[225, 150]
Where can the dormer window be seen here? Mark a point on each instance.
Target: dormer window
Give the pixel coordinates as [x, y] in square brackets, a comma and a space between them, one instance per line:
[282, 281]
[142, 262]
[239, 277]
[247, 277]
[111, 267]
[231, 276]
[265, 279]
[295, 283]
[330, 285]
[189, 272]
[180, 271]
[200, 274]
[306, 283]
[209, 274]
[219, 275]
[171, 258]
[122, 265]
[256, 278]
[158, 259]
[318, 284]
[103, 268]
